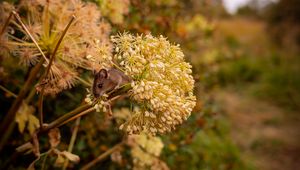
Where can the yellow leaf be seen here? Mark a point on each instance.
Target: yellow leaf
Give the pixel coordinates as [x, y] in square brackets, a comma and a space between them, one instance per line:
[22, 115]
[33, 123]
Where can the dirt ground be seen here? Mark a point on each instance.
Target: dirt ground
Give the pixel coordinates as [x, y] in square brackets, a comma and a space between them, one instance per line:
[267, 135]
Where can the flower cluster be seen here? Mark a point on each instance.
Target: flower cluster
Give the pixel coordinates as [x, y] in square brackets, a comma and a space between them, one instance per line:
[162, 82]
[99, 104]
[114, 9]
[145, 151]
[86, 44]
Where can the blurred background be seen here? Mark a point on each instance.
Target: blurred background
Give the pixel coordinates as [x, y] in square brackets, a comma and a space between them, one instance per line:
[246, 62]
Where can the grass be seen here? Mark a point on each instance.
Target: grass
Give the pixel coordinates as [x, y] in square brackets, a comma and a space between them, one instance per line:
[270, 71]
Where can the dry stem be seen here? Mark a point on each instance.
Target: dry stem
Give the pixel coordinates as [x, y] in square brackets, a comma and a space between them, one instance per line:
[72, 141]
[41, 97]
[102, 156]
[8, 91]
[29, 34]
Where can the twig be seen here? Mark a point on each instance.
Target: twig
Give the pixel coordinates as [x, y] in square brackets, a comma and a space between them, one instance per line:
[8, 91]
[77, 116]
[83, 81]
[58, 122]
[81, 110]
[9, 18]
[102, 156]
[29, 34]
[72, 141]
[30, 95]
[58, 44]
[41, 96]
[6, 24]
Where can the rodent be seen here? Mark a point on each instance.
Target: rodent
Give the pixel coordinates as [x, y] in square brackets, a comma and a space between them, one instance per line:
[109, 80]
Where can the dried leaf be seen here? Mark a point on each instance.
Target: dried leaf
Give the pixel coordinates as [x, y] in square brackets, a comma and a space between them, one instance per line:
[33, 123]
[24, 115]
[21, 117]
[54, 137]
[70, 156]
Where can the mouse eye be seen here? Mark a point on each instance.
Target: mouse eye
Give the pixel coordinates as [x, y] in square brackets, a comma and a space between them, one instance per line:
[100, 85]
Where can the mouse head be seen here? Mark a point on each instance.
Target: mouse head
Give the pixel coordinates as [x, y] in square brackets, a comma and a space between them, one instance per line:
[102, 83]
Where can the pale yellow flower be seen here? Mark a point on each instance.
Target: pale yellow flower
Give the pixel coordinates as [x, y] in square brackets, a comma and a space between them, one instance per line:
[162, 82]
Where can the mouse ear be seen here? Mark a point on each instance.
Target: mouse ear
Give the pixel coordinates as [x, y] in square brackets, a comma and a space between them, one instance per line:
[103, 73]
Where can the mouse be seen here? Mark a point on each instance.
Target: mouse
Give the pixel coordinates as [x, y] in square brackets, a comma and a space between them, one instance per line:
[108, 80]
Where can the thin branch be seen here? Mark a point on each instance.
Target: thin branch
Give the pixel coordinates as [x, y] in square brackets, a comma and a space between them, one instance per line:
[58, 122]
[8, 19]
[6, 24]
[77, 116]
[41, 96]
[83, 81]
[40, 108]
[80, 111]
[102, 156]
[8, 91]
[29, 34]
[72, 141]
[58, 44]
[30, 95]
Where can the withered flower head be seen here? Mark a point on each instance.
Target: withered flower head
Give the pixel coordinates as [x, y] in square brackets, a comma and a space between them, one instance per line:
[86, 44]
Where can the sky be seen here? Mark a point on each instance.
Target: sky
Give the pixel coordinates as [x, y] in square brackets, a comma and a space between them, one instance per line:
[233, 5]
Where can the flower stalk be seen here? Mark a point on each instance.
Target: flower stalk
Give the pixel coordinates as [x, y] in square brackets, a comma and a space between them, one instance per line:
[40, 101]
[72, 141]
[29, 34]
[102, 156]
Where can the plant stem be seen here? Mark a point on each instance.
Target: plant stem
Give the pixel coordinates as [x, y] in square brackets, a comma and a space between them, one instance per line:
[8, 122]
[72, 141]
[77, 116]
[101, 157]
[41, 97]
[6, 24]
[79, 111]
[29, 34]
[8, 19]
[58, 122]
[8, 91]
[30, 95]
[83, 81]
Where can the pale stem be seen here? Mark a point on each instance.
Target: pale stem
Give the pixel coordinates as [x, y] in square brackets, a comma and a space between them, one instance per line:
[29, 34]
[41, 96]
[102, 156]
[8, 91]
[72, 141]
